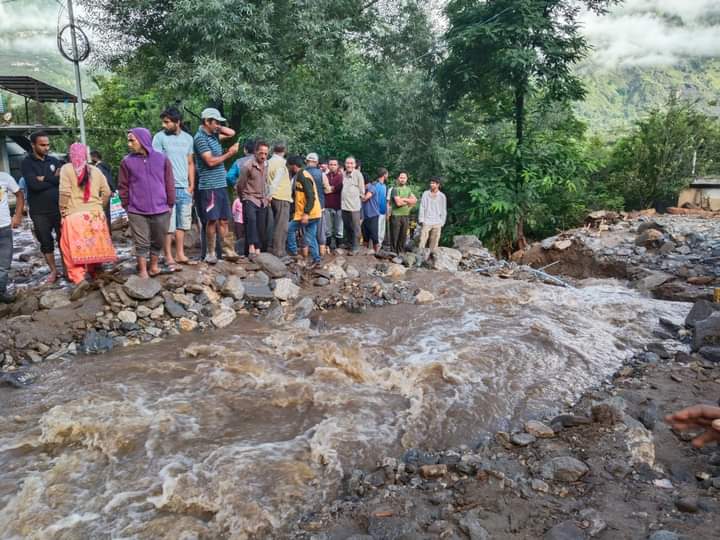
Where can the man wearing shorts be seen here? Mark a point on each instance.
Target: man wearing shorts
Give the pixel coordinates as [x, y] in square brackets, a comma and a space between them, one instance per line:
[42, 177]
[177, 145]
[212, 182]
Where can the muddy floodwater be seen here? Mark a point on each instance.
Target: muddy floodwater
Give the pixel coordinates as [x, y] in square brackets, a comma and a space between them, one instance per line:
[234, 434]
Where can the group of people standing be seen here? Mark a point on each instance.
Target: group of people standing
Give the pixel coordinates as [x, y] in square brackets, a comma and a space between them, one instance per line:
[286, 205]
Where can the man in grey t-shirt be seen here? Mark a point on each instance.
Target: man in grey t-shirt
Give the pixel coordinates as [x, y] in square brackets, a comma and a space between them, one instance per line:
[177, 145]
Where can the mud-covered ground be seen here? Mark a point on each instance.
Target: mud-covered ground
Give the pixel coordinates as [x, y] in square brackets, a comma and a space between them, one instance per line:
[630, 476]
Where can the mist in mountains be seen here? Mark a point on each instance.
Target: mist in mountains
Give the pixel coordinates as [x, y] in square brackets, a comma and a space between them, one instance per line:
[643, 51]
[654, 33]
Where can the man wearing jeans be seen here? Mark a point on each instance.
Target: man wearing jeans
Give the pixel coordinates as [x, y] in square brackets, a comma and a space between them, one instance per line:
[42, 175]
[307, 210]
[353, 191]
[433, 213]
[321, 183]
[7, 186]
[177, 145]
[333, 212]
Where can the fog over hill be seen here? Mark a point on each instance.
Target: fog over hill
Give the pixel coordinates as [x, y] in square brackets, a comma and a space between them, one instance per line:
[643, 51]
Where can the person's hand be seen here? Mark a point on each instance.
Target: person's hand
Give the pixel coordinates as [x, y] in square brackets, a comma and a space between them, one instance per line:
[234, 149]
[698, 417]
[305, 218]
[16, 221]
[40, 178]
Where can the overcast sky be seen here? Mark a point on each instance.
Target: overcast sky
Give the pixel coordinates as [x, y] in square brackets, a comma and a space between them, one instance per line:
[635, 34]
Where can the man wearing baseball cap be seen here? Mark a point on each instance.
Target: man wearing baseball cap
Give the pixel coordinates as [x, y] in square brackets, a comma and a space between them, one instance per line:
[323, 186]
[212, 182]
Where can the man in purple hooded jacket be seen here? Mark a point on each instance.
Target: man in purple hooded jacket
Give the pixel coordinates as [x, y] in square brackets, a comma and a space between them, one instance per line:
[147, 192]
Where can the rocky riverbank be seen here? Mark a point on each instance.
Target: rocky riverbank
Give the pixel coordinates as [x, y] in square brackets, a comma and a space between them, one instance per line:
[49, 322]
[607, 468]
[673, 257]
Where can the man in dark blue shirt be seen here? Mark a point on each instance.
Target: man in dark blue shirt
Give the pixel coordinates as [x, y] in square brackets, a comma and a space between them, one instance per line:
[42, 177]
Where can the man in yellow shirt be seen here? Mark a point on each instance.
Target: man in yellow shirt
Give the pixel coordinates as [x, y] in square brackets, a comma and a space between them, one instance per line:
[307, 210]
[281, 198]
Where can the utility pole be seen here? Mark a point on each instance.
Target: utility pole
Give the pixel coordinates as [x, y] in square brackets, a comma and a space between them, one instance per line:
[76, 64]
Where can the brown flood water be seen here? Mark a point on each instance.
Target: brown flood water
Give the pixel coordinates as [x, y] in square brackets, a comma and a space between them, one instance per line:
[233, 434]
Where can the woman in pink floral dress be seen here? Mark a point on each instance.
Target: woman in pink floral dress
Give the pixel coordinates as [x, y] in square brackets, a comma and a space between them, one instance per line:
[85, 236]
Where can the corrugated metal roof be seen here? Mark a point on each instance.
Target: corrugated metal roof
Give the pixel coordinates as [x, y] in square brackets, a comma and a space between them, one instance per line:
[34, 89]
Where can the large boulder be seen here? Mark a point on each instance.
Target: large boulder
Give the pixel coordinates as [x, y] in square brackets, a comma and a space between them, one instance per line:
[701, 310]
[234, 288]
[466, 241]
[94, 342]
[256, 291]
[55, 299]
[272, 265]
[653, 281]
[444, 258]
[564, 469]
[175, 310]
[223, 318]
[707, 332]
[334, 271]
[142, 289]
[650, 238]
[285, 289]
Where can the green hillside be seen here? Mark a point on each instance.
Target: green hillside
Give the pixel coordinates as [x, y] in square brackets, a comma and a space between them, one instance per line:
[616, 98]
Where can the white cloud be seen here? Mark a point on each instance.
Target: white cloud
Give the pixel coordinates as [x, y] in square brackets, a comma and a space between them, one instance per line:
[17, 17]
[654, 32]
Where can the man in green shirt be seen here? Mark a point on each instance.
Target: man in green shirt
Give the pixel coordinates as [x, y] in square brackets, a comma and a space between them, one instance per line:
[402, 200]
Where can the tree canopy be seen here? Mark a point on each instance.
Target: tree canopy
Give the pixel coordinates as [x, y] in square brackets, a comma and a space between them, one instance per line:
[488, 105]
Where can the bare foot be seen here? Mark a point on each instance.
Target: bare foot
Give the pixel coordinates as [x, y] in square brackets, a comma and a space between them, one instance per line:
[52, 277]
[143, 275]
[705, 417]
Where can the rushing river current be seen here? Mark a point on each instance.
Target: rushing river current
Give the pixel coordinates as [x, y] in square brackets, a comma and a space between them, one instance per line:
[233, 434]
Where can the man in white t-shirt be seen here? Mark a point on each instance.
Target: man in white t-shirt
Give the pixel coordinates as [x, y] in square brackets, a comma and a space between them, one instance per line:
[7, 224]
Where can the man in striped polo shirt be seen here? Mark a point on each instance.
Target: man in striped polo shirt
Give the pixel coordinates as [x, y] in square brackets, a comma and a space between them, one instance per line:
[212, 182]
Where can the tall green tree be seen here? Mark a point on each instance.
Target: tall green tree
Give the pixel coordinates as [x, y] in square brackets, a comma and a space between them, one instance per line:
[501, 53]
[654, 162]
[237, 54]
[358, 79]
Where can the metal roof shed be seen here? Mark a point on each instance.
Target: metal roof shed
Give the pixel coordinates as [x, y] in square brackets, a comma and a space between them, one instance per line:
[31, 88]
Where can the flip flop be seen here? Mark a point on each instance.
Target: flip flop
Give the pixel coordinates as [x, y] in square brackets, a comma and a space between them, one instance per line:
[188, 262]
[173, 268]
[163, 271]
